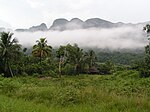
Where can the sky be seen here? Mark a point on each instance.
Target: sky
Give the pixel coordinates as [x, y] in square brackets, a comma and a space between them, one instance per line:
[26, 13]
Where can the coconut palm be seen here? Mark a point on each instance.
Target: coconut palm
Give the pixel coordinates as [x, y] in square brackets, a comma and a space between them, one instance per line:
[9, 50]
[75, 56]
[147, 28]
[41, 49]
[91, 58]
[61, 52]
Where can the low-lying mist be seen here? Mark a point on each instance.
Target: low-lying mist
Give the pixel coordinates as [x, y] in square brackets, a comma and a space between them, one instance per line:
[114, 38]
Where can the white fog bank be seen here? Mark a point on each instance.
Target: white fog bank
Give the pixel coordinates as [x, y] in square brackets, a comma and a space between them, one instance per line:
[123, 37]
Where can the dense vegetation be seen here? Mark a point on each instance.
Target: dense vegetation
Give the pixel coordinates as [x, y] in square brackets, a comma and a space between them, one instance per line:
[48, 79]
[124, 91]
[65, 60]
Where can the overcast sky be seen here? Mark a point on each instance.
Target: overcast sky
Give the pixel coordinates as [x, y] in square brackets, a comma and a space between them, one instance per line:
[26, 13]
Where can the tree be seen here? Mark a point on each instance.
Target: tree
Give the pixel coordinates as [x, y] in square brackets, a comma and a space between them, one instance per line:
[147, 49]
[41, 49]
[147, 28]
[61, 55]
[106, 68]
[9, 50]
[76, 57]
[144, 67]
[91, 58]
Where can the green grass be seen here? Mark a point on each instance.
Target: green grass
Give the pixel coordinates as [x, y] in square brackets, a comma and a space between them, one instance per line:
[123, 91]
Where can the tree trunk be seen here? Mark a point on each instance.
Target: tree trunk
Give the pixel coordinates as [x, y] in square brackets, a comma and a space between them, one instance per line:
[76, 69]
[41, 71]
[149, 44]
[60, 69]
[6, 74]
[10, 70]
[91, 63]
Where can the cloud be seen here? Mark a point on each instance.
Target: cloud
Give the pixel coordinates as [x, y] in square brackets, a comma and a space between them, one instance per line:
[116, 38]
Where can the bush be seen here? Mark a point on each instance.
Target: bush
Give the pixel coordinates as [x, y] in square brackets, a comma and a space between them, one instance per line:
[144, 72]
[51, 73]
[106, 68]
[144, 67]
[38, 69]
[68, 70]
[2, 74]
[32, 68]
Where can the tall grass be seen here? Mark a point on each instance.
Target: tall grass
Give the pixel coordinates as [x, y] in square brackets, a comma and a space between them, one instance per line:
[121, 92]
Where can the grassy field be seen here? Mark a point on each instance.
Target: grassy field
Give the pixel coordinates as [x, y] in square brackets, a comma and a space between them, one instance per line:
[123, 91]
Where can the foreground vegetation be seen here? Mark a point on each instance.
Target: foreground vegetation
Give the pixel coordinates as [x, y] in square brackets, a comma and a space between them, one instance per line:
[124, 91]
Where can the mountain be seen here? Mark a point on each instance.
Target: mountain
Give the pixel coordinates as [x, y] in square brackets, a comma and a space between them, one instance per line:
[59, 24]
[41, 27]
[76, 23]
[98, 23]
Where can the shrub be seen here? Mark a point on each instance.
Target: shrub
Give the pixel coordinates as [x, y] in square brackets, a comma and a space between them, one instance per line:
[51, 73]
[144, 67]
[106, 68]
[68, 70]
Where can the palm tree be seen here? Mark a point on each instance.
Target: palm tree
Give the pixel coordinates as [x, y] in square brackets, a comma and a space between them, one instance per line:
[91, 58]
[75, 56]
[61, 52]
[9, 50]
[147, 29]
[41, 49]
